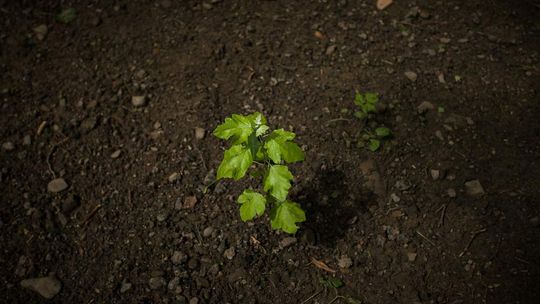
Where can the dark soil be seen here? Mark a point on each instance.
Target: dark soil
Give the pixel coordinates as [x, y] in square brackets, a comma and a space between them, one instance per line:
[66, 110]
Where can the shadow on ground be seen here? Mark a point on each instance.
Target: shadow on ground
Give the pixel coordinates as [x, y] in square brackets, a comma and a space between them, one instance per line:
[329, 210]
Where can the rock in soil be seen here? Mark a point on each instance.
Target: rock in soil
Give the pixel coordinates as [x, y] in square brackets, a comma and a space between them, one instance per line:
[411, 256]
[207, 232]
[116, 154]
[286, 242]
[138, 101]
[425, 106]
[41, 32]
[345, 262]
[372, 177]
[8, 146]
[199, 133]
[178, 258]
[47, 287]
[57, 185]
[229, 253]
[411, 76]
[125, 287]
[156, 283]
[474, 188]
[189, 202]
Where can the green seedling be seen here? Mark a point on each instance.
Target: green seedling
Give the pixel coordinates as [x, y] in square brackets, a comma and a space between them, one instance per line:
[331, 282]
[66, 16]
[252, 144]
[367, 103]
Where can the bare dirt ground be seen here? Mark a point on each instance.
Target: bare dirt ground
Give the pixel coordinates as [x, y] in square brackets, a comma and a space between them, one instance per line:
[447, 211]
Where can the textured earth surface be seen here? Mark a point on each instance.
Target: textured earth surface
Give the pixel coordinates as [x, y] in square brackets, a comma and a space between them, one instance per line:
[106, 150]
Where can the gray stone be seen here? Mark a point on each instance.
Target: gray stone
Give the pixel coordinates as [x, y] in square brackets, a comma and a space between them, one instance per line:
[47, 287]
[229, 253]
[8, 146]
[207, 232]
[125, 287]
[174, 286]
[116, 154]
[89, 123]
[344, 262]
[411, 75]
[41, 31]
[330, 50]
[138, 101]
[425, 106]
[27, 140]
[178, 258]
[57, 185]
[435, 174]
[474, 188]
[287, 241]
[173, 177]
[451, 193]
[156, 283]
[199, 133]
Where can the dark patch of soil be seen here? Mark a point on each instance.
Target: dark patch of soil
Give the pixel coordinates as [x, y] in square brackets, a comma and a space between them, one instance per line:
[110, 236]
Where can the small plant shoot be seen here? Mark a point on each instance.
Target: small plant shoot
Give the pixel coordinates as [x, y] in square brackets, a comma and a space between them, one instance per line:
[253, 144]
[367, 104]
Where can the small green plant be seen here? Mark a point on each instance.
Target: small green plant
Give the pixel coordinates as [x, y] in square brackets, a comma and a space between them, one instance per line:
[252, 144]
[367, 104]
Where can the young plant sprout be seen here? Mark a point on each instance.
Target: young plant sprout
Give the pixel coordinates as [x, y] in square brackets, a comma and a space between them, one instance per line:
[253, 144]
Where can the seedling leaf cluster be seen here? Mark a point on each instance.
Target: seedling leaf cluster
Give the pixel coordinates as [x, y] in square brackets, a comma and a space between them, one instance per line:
[253, 144]
[367, 108]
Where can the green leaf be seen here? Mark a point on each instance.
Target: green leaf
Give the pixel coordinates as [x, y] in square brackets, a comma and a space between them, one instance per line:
[235, 163]
[277, 181]
[366, 102]
[66, 16]
[278, 146]
[237, 127]
[331, 282]
[360, 114]
[374, 144]
[253, 204]
[285, 215]
[261, 130]
[382, 132]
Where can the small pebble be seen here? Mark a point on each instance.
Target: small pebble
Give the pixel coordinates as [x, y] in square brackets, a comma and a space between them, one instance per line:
[229, 253]
[41, 32]
[156, 283]
[207, 232]
[138, 101]
[125, 287]
[47, 287]
[199, 133]
[57, 185]
[425, 106]
[474, 188]
[8, 146]
[412, 76]
[435, 174]
[412, 256]
[286, 242]
[178, 258]
[345, 262]
[116, 154]
[173, 177]
[451, 193]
